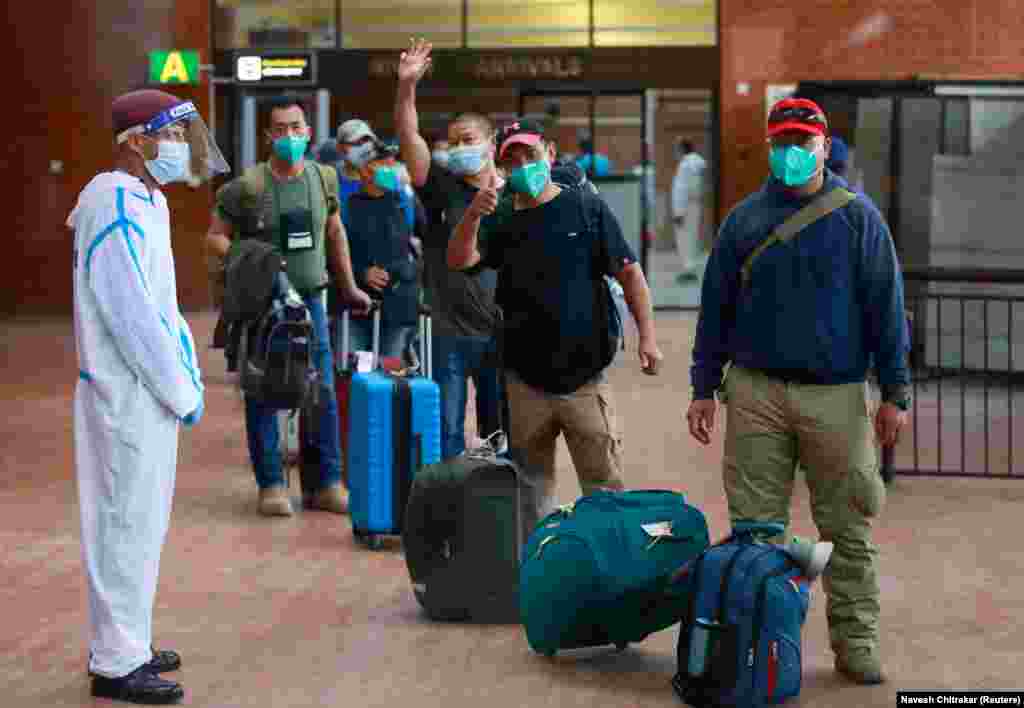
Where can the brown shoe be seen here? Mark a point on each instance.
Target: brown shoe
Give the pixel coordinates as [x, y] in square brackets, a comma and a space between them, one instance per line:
[274, 501]
[861, 665]
[330, 499]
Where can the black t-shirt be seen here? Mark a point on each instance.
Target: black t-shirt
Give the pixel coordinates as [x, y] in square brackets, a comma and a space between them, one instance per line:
[548, 262]
[378, 234]
[462, 301]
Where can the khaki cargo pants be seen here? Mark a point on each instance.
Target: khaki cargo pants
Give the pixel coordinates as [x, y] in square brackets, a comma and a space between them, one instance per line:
[773, 426]
[585, 417]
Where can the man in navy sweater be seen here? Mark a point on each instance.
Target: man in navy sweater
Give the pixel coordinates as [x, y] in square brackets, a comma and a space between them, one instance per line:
[800, 321]
[382, 256]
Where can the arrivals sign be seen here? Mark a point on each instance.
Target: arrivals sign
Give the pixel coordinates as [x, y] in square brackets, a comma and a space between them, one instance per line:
[296, 68]
[175, 66]
[485, 66]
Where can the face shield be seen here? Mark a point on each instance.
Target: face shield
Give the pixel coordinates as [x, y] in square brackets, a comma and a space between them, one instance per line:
[183, 124]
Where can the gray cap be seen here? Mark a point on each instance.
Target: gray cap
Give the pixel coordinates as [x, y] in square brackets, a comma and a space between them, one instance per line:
[354, 130]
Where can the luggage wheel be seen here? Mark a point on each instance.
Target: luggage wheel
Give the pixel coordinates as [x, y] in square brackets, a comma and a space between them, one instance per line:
[370, 540]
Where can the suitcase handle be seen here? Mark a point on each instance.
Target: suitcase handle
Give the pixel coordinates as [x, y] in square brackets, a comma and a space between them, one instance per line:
[426, 344]
[344, 334]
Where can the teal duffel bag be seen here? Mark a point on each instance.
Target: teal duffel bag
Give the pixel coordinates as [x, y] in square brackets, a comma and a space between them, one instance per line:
[599, 571]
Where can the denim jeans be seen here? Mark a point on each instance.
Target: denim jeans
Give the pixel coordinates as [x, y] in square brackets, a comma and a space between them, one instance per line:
[261, 424]
[456, 359]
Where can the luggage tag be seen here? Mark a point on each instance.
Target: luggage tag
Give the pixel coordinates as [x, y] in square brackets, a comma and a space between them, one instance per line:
[658, 531]
[364, 362]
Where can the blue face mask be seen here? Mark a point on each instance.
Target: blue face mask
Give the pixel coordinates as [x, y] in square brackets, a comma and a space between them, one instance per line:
[291, 148]
[359, 155]
[171, 163]
[530, 179]
[467, 160]
[386, 178]
[793, 165]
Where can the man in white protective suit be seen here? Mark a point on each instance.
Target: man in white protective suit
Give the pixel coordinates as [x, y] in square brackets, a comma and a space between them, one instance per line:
[688, 210]
[139, 379]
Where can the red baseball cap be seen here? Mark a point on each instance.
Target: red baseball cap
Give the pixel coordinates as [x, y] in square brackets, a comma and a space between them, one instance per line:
[797, 114]
[525, 131]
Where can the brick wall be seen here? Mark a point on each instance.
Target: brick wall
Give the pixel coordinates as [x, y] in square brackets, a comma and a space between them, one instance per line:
[766, 42]
[74, 68]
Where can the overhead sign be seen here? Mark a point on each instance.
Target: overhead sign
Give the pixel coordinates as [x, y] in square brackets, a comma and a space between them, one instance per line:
[493, 67]
[502, 67]
[278, 69]
[176, 66]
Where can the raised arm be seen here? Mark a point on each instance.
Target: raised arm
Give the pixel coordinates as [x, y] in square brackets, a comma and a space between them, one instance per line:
[413, 64]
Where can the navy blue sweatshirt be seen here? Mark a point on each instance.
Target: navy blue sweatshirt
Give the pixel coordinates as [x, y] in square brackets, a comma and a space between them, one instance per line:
[822, 308]
[378, 234]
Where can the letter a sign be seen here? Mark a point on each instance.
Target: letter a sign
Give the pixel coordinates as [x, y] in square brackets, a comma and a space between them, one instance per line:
[177, 66]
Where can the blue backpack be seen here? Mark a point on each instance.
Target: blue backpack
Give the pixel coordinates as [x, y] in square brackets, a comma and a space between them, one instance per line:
[739, 643]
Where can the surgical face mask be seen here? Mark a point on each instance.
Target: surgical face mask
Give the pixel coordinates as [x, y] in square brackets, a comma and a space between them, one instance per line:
[530, 178]
[291, 148]
[386, 178]
[793, 165]
[440, 157]
[467, 159]
[359, 155]
[403, 173]
[171, 163]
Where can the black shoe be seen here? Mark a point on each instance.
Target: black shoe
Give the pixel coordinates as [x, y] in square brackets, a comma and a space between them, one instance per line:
[140, 686]
[163, 660]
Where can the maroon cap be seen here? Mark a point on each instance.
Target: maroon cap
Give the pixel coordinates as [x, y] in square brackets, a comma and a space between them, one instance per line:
[139, 107]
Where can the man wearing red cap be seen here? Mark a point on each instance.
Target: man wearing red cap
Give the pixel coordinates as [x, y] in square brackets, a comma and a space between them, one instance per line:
[553, 248]
[801, 297]
[139, 380]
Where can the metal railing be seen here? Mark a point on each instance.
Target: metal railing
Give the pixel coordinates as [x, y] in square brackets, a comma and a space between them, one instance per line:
[967, 366]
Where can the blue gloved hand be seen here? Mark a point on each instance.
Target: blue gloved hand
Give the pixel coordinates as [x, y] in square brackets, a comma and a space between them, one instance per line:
[194, 417]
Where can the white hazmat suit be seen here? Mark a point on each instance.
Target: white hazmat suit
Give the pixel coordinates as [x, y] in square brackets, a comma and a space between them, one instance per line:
[138, 377]
[688, 202]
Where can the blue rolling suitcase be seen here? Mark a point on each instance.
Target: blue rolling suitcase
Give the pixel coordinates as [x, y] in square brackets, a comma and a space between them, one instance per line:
[394, 429]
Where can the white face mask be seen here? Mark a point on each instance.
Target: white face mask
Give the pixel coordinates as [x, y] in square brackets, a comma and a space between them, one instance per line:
[440, 157]
[171, 163]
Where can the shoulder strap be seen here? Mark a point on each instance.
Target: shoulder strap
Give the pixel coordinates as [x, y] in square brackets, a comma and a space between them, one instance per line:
[322, 170]
[254, 181]
[588, 206]
[797, 222]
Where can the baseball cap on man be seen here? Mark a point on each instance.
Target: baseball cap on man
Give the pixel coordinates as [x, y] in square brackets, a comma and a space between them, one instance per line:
[798, 114]
[354, 130]
[525, 132]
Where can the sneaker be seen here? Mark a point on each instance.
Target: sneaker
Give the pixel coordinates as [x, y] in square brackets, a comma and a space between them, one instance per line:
[330, 499]
[274, 501]
[861, 665]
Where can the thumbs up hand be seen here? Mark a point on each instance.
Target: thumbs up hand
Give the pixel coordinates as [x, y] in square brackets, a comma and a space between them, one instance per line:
[486, 199]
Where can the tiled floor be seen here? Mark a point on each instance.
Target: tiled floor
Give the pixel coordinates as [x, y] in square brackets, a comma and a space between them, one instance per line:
[289, 612]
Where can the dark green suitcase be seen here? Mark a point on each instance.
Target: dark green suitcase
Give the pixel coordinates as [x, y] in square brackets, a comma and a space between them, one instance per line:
[599, 571]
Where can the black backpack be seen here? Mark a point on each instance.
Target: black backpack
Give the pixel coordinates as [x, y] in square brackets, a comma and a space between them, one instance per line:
[276, 352]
